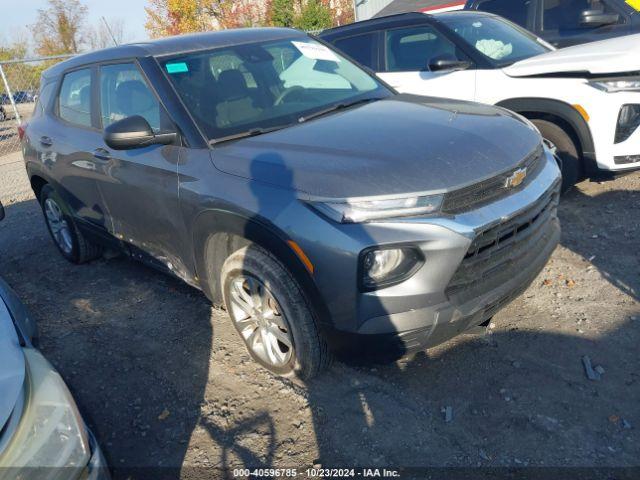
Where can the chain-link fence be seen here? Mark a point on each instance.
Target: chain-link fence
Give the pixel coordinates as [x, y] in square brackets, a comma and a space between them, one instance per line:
[19, 84]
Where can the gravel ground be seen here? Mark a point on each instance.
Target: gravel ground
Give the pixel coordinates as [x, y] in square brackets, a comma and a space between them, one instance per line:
[163, 380]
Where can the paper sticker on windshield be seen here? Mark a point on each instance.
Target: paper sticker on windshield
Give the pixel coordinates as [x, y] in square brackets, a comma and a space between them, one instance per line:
[316, 51]
[635, 4]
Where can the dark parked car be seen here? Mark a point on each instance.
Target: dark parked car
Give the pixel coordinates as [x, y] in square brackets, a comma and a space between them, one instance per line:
[567, 22]
[5, 99]
[41, 430]
[22, 96]
[281, 179]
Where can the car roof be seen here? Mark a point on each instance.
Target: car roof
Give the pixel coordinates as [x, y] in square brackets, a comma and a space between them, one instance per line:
[176, 45]
[397, 20]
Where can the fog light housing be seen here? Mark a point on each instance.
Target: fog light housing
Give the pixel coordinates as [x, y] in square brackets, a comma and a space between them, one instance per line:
[628, 122]
[386, 266]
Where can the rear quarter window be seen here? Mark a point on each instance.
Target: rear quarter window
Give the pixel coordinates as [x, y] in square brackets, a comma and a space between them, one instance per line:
[44, 99]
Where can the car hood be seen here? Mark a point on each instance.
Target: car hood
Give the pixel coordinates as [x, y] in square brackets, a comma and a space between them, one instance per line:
[615, 55]
[12, 366]
[401, 144]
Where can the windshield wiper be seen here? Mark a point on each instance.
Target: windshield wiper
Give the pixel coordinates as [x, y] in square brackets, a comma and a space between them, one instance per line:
[248, 133]
[333, 108]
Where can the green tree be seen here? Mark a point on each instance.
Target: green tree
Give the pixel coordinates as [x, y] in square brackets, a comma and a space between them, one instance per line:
[315, 15]
[282, 13]
[59, 28]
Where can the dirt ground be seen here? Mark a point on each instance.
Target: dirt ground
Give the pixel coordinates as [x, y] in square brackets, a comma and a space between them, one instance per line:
[164, 381]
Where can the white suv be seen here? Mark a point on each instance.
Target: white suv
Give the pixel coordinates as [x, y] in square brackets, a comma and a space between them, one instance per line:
[585, 100]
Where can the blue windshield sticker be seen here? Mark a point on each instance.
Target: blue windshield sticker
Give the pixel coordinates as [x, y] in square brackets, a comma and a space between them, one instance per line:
[180, 67]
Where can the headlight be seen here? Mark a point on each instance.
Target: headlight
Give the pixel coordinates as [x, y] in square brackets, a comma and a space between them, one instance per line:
[51, 432]
[385, 266]
[356, 211]
[618, 85]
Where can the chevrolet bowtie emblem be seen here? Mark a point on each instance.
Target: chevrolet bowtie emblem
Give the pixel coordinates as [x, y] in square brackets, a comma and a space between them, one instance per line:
[517, 178]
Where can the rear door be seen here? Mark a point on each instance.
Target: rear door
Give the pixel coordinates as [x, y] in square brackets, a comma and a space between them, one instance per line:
[408, 55]
[139, 186]
[64, 141]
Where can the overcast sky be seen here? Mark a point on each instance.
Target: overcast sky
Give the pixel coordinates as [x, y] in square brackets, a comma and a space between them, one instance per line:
[23, 13]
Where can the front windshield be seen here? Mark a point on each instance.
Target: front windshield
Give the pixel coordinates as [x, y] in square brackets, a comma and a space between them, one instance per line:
[502, 42]
[265, 85]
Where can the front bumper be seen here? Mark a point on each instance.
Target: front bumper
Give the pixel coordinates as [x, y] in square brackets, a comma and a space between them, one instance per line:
[609, 155]
[466, 279]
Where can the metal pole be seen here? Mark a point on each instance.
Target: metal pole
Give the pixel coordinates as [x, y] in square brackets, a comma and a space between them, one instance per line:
[110, 32]
[355, 10]
[8, 90]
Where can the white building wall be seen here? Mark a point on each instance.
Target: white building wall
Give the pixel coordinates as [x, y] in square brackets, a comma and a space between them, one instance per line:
[365, 9]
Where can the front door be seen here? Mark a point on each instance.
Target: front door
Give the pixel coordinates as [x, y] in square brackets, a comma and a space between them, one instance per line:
[140, 185]
[563, 23]
[410, 56]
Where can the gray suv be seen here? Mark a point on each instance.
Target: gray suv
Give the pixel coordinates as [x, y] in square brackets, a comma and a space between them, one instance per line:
[324, 210]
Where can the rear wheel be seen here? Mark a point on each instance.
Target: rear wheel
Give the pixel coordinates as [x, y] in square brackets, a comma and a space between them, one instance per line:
[565, 149]
[65, 234]
[271, 315]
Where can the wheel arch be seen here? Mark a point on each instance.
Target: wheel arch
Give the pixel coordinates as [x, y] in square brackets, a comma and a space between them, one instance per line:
[558, 112]
[37, 184]
[219, 233]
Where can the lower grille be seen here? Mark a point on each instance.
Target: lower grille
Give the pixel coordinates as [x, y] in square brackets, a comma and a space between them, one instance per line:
[504, 251]
[478, 194]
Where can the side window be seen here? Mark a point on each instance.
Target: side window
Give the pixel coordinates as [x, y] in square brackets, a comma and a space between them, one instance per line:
[362, 48]
[515, 10]
[567, 14]
[74, 102]
[413, 49]
[124, 92]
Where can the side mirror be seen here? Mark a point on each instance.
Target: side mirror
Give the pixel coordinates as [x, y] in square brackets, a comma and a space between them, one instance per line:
[450, 64]
[597, 18]
[1, 212]
[134, 132]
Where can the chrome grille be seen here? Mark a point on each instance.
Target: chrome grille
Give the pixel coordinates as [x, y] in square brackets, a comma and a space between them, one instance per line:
[478, 194]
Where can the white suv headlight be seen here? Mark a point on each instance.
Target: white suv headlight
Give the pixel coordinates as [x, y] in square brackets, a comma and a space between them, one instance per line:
[358, 210]
[617, 85]
[51, 432]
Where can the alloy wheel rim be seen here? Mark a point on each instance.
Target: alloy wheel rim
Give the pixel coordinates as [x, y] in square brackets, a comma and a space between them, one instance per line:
[58, 225]
[260, 321]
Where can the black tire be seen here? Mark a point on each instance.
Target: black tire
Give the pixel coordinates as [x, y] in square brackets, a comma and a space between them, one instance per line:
[566, 150]
[3, 115]
[81, 250]
[310, 354]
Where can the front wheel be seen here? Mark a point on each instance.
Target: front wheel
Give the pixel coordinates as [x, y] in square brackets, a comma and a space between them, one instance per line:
[270, 313]
[565, 150]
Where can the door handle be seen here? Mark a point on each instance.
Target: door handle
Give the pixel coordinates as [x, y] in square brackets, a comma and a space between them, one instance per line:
[46, 141]
[102, 154]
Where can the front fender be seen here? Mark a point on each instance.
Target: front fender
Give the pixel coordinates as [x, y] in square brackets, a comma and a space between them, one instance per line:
[217, 233]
